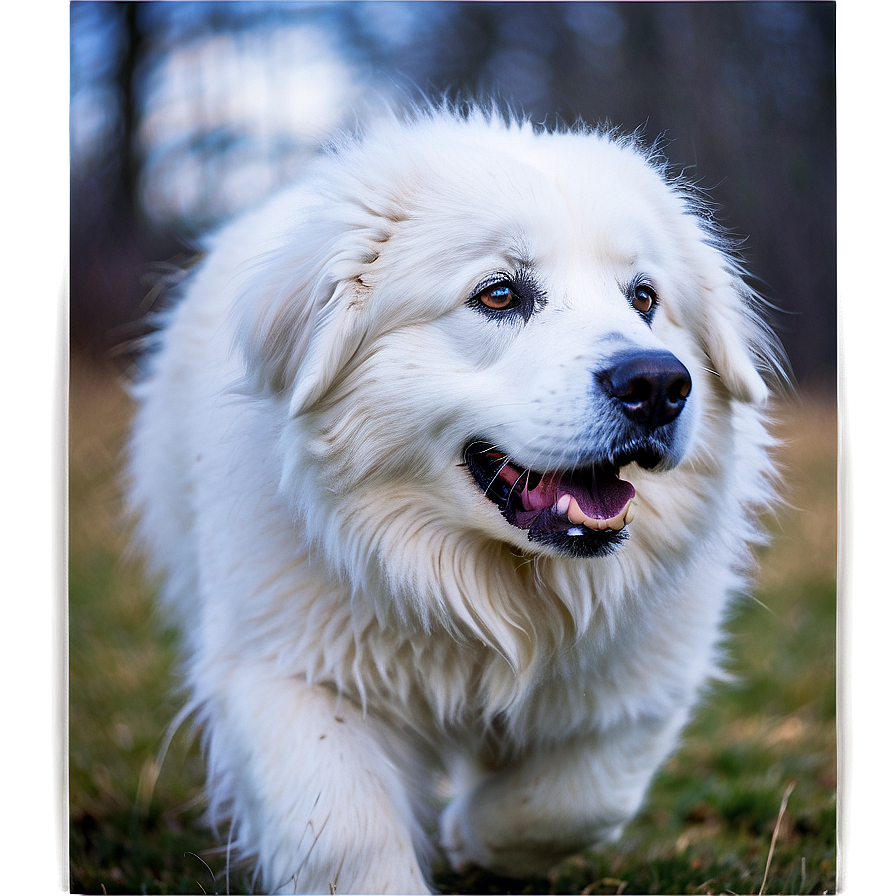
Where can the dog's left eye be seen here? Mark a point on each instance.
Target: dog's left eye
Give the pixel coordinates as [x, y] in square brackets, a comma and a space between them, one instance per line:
[499, 297]
[643, 298]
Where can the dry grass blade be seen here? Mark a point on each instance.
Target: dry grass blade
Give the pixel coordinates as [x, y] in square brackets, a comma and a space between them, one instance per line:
[771, 849]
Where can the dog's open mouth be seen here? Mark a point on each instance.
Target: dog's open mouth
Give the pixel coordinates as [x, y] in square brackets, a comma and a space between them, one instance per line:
[582, 512]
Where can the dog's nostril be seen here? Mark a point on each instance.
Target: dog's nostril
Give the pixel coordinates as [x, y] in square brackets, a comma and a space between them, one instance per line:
[637, 390]
[650, 387]
[680, 388]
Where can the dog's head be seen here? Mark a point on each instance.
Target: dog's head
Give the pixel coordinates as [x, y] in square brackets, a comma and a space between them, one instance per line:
[500, 330]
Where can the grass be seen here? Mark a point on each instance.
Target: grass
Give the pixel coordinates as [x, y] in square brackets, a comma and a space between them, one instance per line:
[763, 739]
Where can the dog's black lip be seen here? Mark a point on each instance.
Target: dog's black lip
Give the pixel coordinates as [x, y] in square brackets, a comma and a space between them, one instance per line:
[483, 458]
[645, 454]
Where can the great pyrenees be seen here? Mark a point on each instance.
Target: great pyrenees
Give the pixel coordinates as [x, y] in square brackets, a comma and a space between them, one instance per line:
[450, 459]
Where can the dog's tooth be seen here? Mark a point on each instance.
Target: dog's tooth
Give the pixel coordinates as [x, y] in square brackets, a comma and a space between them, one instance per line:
[574, 513]
[616, 523]
[578, 516]
[622, 519]
[563, 504]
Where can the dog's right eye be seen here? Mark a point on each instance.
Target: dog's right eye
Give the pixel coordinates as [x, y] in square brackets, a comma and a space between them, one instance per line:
[508, 298]
[499, 297]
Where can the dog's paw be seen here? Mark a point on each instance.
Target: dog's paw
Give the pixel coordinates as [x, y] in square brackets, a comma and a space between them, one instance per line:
[454, 840]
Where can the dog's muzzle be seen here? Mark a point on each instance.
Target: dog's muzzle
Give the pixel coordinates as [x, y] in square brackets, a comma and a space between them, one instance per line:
[583, 512]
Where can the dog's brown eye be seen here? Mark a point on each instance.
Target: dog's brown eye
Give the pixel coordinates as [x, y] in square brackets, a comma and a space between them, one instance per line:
[644, 299]
[498, 297]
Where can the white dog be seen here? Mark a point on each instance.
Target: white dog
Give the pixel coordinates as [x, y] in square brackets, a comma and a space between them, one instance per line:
[450, 458]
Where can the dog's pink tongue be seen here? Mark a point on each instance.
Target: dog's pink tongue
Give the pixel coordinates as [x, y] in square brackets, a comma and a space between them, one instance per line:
[602, 498]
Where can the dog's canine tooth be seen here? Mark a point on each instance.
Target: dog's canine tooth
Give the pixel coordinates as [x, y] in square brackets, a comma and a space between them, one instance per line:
[616, 523]
[622, 519]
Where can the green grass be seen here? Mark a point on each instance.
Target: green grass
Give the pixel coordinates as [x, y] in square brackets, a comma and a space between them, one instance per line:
[707, 826]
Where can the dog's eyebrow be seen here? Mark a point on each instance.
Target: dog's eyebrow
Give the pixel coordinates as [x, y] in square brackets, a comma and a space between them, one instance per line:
[521, 253]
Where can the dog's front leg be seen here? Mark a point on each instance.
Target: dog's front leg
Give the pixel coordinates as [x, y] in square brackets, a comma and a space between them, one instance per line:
[529, 815]
[313, 792]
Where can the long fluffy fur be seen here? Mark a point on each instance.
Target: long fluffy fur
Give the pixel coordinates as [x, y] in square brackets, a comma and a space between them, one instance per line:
[358, 616]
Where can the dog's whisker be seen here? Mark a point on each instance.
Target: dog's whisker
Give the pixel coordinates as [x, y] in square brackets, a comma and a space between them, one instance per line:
[497, 475]
[510, 494]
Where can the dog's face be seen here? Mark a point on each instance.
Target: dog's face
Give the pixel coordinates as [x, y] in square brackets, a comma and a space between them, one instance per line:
[565, 366]
[527, 330]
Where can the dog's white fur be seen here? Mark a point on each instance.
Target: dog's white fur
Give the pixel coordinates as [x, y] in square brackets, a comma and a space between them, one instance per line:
[359, 617]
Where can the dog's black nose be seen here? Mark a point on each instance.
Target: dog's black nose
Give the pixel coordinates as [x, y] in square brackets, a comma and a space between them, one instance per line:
[651, 387]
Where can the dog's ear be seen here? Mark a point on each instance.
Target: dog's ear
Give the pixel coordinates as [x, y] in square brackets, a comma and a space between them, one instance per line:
[737, 343]
[297, 330]
[337, 334]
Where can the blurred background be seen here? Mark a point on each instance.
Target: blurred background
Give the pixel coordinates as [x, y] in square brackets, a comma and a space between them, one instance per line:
[184, 113]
